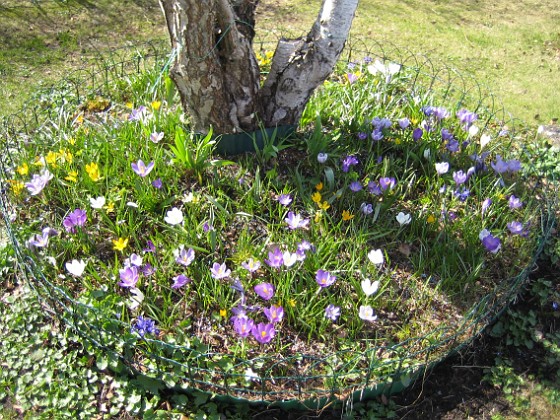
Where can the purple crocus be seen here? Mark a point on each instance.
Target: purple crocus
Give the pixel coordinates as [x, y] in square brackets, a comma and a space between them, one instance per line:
[129, 276]
[41, 240]
[514, 165]
[274, 313]
[366, 208]
[157, 183]
[263, 333]
[285, 199]
[141, 169]
[38, 182]
[243, 325]
[387, 183]
[459, 177]
[349, 161]
[515, 227]
[404, 123]
[137, 114]
[275, 258]
[324, 278]
[377, 135]
[452, 145]
[75, 219]
[332, 312]
[184, 256]
[144, 326]
[374, 188]
[462, 193]
[362, 136]
[355, 186]
[251, 265]
[446, 135]
[514, 202]
[485, 204]
[417, 134]
[150, 247]
[466, 118]
[500, 166]
[220, 271]
[381, 123]
[179, 281]
[264, 290]
[296, 221]
[489, 241]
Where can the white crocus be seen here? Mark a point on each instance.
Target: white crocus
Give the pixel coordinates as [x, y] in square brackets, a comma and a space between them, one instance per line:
[473, 130]
[367, 313]
[404, 219]
[174, 216]
[97, 203]
[376, 256]
[289, 258]
[136, 298]
[76, 267]
[370, 287]
[484, 140]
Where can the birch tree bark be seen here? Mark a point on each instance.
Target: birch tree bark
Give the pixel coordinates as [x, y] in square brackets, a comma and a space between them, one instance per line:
[217, 74]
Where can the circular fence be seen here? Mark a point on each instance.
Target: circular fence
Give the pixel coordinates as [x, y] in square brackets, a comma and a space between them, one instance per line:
[390, 368]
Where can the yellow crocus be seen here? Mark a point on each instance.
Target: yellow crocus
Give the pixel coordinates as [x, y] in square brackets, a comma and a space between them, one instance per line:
[319, 186]
[110, 207]
[156, 105]
[92, 170]
[23, 169]
[316, 197]
[72, 176]
[17, 186]
[431, 218]
[324, 205]
[346, 215]
[223, 313]
[51, 158]
[120, 244]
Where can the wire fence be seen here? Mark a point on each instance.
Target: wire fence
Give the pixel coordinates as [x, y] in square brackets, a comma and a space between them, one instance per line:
[288, 380]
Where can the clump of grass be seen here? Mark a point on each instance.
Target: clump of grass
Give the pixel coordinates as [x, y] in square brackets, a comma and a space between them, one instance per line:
[387, 219]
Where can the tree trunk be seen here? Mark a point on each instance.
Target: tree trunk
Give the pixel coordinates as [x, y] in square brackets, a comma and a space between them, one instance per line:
[216, 71]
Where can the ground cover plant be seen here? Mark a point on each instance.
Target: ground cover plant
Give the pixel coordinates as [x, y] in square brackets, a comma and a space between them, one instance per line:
[385, 219]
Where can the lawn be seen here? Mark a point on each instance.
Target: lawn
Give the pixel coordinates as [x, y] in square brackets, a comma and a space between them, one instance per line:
[438, 197]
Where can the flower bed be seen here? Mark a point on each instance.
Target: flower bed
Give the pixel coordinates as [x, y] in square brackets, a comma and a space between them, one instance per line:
[389, 230]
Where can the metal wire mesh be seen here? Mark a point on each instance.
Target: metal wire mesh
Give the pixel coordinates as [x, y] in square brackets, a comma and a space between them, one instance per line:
[390, 368]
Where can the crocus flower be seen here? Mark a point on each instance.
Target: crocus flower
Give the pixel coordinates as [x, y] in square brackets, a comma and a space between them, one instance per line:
[459, 177]
[349, 161]
[219, 271]
[442, 168]
[352, 78]
[141, 169]
[77, 218]
[251, 265]
[514, 202]
[38, 182]
[417, 134]
[243, 326]
[332, 312]
[289, 258]
[381, 123]
[403, 219]
[263, 333]
[174, 216]
[462, 193]
[466, 118]
[513, 165]
[97, 203]
[137, 114]
[41, 240]
[156, 137]
[134, 259]
[76, 267]
[264, 290]
[490, 242]
[295, 221]
[179, 281]
[377, 135]
[374, 188]
[144, 326]
[376, 256]
[485, 204]
[355, 186]
[515, 227]
[275, 258]
[367, 313]
[285, 199]
[362, 136]
[484, 140]
[500, 166]
[322, 157]
[324, 278]
[147, 269]
[366, 208]
[184, 256]
[369, 287]
[387, 183]
[274, 313]
[404, 123]
[157, 183]
[129, 276]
